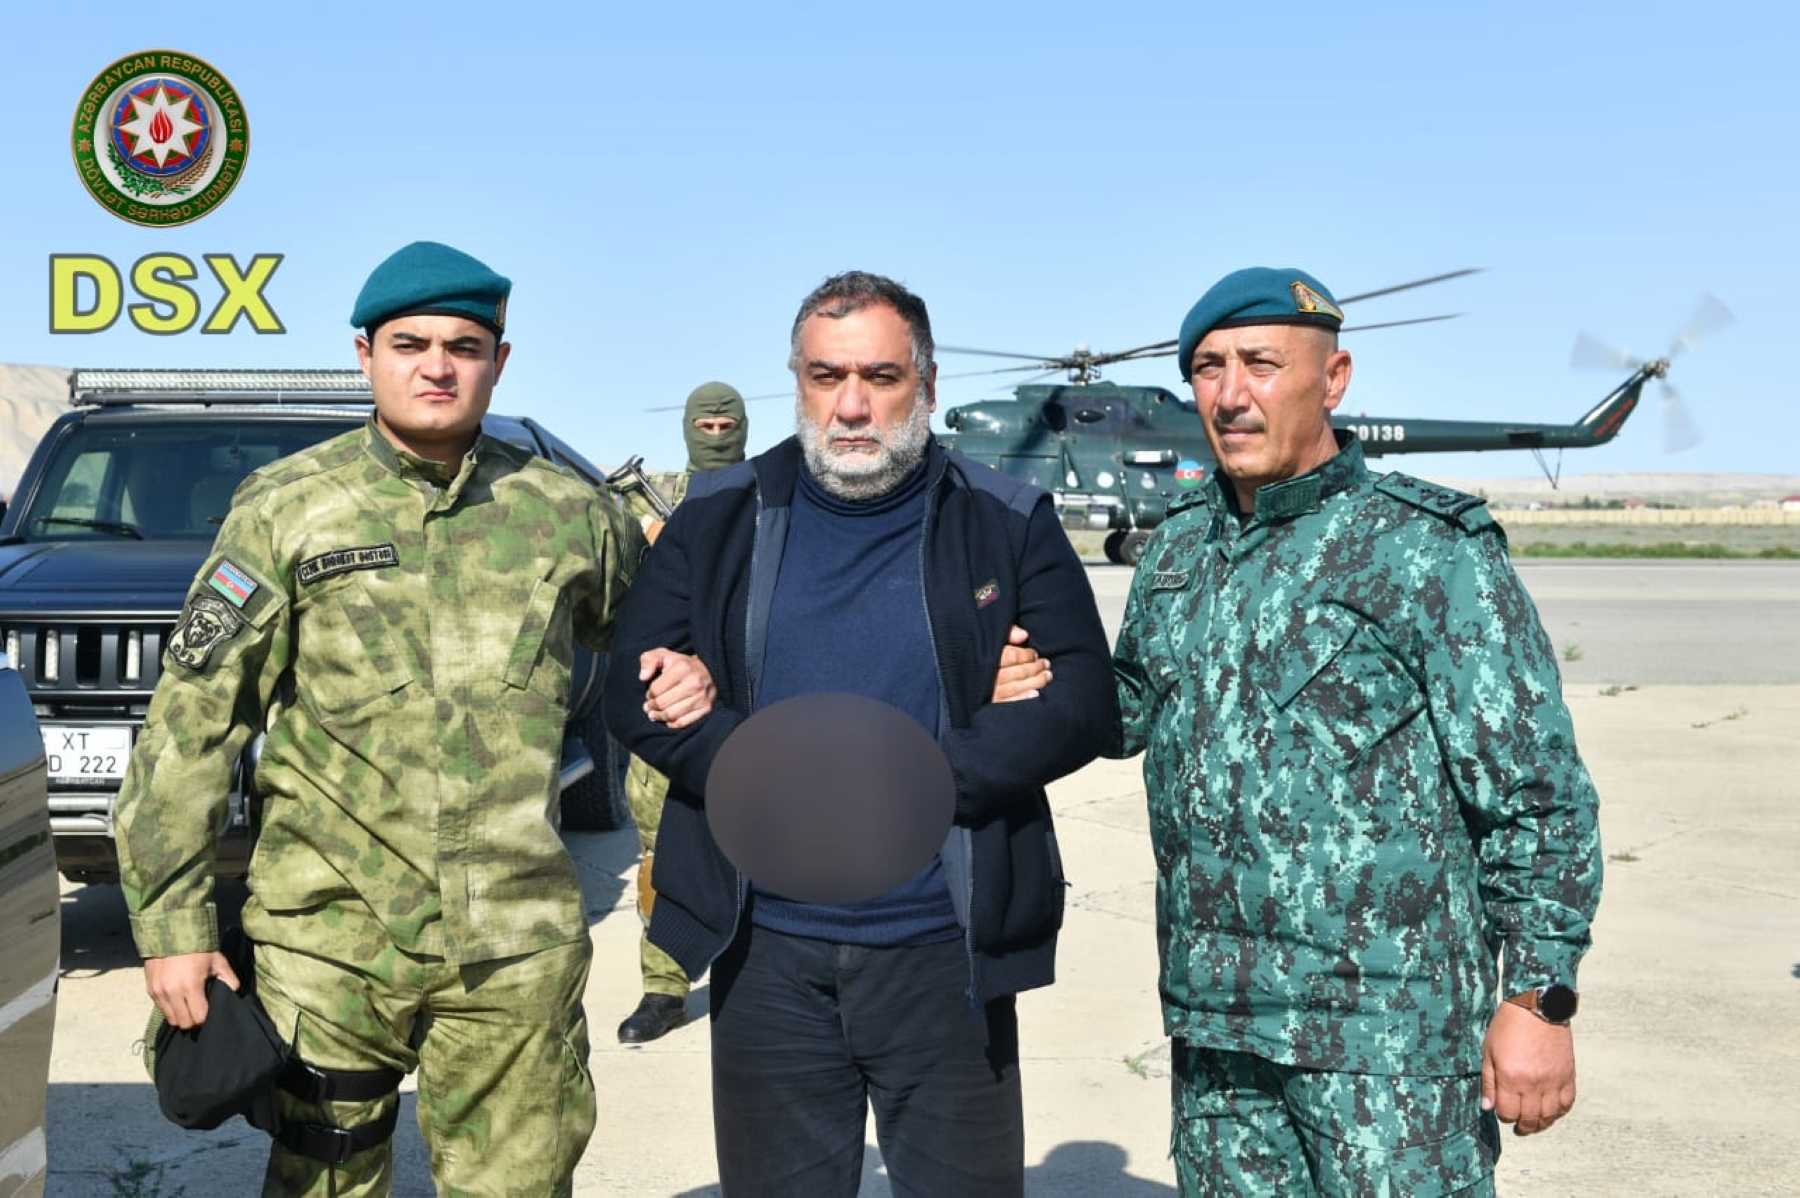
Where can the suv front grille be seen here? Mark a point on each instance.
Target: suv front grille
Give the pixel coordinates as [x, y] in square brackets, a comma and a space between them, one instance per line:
[79, 660]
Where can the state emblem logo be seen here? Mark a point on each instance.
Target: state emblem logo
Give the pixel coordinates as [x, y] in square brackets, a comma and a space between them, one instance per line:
[160, 138]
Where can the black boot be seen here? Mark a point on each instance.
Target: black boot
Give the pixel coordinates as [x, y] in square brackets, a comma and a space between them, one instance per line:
[655, 1017]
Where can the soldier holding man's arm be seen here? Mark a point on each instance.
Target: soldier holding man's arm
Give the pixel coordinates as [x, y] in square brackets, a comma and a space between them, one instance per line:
[1364, 791]
[397, 607]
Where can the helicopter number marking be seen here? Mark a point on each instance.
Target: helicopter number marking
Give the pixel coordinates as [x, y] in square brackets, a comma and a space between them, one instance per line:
[1380, 432]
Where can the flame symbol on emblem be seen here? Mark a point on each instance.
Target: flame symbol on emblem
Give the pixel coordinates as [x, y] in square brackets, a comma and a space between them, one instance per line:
[161, 128]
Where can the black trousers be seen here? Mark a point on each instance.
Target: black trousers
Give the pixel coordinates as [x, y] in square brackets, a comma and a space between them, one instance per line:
[807, 1035]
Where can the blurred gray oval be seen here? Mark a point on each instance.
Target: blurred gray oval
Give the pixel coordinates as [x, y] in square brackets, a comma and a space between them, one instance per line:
[830, 798]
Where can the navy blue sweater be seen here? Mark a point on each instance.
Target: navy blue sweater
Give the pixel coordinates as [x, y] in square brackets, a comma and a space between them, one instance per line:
[849, 615]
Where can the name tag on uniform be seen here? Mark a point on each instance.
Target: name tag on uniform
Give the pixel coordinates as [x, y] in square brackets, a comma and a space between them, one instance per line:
[1170, 580]
[342, 561]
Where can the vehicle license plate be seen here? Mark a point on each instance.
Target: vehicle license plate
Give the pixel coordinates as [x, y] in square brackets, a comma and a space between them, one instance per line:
[76, 753]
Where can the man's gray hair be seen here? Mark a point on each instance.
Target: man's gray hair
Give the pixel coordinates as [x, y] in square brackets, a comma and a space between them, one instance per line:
[854, 290]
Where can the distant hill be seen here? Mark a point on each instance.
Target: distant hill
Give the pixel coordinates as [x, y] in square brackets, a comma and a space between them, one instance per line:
[1691, 489]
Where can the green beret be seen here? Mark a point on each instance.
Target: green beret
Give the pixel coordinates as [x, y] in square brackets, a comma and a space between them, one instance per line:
[429, 279]
[1257, 295]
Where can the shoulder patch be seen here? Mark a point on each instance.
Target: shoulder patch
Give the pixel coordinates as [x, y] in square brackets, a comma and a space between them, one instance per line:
[1458, 507]
[232, 582]
[206, 623]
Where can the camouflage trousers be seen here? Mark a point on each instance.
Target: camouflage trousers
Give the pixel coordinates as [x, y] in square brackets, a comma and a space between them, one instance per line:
[505, 1102]
[645, 791]
[1244, 1125]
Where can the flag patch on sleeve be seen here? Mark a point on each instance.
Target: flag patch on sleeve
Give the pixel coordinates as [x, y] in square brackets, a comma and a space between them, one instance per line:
[233, 583]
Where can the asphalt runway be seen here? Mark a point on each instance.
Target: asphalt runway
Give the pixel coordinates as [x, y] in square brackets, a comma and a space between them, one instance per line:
[1626, 623]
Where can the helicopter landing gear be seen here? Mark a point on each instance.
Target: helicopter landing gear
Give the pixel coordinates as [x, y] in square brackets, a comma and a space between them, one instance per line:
[1125, 548]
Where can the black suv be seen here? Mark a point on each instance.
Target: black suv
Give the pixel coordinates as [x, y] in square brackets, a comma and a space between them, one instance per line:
[112, 518]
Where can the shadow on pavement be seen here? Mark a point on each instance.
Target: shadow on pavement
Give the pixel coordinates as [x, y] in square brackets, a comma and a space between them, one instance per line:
[601, 861]
[1079, 1167]
[111, 1139]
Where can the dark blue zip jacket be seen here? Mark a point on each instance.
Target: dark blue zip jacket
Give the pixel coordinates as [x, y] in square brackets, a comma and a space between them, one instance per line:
[994, 555]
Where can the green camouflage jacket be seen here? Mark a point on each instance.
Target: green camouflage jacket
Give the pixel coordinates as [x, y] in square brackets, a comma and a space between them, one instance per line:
[1362, 778]
[405, 632]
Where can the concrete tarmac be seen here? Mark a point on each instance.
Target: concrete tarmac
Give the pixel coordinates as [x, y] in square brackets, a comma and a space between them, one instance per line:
[1685, 686]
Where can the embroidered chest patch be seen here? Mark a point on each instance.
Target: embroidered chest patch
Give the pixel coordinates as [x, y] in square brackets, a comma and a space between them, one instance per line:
[987, 592]
[233, 583]
[207, 622]
[1170, 580]
[342, 561]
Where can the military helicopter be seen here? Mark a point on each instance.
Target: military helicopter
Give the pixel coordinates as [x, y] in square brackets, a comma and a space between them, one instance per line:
[1116, 456]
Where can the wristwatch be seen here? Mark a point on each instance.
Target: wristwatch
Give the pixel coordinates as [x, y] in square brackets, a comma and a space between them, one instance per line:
[1554, 1003]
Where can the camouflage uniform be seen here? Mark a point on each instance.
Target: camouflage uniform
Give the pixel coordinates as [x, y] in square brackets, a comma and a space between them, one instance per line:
[645, 789]
[1363, 783]
[404, 631]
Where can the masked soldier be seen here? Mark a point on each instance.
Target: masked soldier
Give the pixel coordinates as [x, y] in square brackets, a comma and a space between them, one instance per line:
[397, 607]
[715, 428]
[1363, 789]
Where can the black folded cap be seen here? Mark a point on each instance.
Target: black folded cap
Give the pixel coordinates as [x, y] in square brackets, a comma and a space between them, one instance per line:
[224, 1067]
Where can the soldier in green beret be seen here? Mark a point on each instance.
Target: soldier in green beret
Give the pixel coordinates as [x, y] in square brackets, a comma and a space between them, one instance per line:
[397, 607]
[1376, 845]
[715, 429]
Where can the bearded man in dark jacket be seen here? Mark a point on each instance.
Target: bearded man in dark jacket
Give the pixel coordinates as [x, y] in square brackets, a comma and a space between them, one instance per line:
[861, 556]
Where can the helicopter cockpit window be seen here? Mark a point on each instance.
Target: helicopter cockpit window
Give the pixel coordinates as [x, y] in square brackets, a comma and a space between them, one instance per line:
[1056, 419]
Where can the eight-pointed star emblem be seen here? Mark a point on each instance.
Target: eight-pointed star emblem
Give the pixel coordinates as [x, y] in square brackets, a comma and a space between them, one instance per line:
[161, 125]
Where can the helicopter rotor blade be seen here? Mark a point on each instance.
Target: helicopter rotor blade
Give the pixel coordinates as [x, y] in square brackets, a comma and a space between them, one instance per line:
[682, 407]
[997, 353]
[1708, 318]
[969, 374]
[1124, 355]
[1394, 324]
[1679, 430]
[1591, 353]
[1443, 278]
[1164, 349]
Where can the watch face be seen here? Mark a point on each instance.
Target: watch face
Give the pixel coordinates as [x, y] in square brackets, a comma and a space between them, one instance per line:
[1557, 1003]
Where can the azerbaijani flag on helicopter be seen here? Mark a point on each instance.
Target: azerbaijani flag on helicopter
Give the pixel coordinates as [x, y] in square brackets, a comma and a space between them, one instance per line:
[1189, 473]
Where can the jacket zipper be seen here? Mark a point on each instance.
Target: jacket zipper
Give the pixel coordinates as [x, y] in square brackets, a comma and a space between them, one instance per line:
[937, 665]
[743, 887]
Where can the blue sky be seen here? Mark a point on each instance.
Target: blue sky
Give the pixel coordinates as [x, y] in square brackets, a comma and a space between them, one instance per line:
[664, 185]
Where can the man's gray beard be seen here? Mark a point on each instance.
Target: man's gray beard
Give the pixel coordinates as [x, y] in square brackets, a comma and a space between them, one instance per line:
[863, 476]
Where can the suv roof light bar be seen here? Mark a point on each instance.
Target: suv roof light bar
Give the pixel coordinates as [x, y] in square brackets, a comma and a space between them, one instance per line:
[103, 387]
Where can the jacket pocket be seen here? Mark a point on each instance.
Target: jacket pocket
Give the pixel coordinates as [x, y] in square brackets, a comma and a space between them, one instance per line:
[1336, 685]
[540, 656]
[347, 659]
[1018, 880]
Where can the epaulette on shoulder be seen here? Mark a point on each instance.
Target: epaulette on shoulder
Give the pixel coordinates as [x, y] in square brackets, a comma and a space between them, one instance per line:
[1189, 499]
[326, 455]
[1470, 512]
